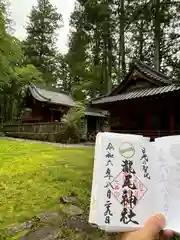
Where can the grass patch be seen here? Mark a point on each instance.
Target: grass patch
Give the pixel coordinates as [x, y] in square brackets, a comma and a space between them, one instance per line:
[33, 176]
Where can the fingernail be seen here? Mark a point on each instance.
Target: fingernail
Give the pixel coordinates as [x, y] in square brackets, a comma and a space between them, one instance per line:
[160, 215]
[169, 233]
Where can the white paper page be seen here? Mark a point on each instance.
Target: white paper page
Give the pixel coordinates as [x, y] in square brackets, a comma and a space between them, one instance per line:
[94, 191]
[96, 174]
[125, 201]
[169, 179]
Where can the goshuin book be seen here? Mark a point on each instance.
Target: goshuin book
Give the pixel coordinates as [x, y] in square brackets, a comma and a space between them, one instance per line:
[134, 179]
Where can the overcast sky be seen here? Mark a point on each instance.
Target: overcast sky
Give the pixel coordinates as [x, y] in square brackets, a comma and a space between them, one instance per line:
[20, 9]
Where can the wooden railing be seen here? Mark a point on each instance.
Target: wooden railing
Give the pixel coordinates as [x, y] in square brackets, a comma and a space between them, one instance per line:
[40, 131]
[34, 127]
[37, 130]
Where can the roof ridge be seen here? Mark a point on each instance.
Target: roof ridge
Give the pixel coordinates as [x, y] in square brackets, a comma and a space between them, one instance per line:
[160, 74]
[38, 92]
[44, 95]
[153, 87]
[52, 89]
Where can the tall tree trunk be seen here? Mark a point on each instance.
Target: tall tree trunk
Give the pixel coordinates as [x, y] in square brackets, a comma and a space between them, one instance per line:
[106, 76]
[122, 64]
[141, 41]
[157, 35]
[110, 63]
[96, 59]
[110, 53]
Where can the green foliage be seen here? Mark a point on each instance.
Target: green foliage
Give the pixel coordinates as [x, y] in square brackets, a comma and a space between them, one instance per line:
[97, 48]
[63, 74]
[90, 57]
[72, 123]
[28, 74]
[74, 115]
[14, 74]
[40, 45]
[6, 52]
[5, 8]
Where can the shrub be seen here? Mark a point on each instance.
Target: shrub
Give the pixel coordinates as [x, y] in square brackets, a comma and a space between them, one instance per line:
[73, 122]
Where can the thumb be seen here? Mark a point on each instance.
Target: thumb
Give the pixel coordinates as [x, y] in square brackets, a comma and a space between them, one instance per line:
[153, 226]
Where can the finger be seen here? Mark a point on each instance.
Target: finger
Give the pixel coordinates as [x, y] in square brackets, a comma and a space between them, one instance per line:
[125, 235]
[168, 234]
[153, 226]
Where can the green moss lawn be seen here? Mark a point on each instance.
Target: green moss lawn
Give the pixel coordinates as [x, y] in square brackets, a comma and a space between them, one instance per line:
[33, 176]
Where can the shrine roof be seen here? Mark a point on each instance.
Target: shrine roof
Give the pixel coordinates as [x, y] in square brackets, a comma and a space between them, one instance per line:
[53, 97]
[152, 73]
[96, 112]
[149, 74]
[137, 94]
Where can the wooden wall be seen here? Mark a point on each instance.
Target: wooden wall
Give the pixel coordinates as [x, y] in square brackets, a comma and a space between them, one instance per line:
[152, 116]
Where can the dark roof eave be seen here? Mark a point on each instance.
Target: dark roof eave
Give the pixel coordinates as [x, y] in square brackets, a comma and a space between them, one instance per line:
[137, 94]
[56, 103]
[95, 115]
[96, 112]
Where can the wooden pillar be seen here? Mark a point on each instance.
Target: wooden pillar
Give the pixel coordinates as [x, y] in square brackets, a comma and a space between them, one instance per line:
[171, 122]
[148, 124]
[52, 116]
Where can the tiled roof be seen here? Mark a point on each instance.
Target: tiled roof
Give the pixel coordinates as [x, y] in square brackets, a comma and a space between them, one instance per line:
[44, 95]
[159, 79]
[137, 94]
[53, 97]
[152, 73]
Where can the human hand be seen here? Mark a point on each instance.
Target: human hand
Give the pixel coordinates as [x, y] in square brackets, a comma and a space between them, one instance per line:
[151, 230]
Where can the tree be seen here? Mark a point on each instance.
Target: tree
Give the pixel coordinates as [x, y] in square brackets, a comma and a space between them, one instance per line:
[107, 35]
[17, 76]
[157, 25]
[122, 64]
[13, 75]
[40, 47]
[152, 33]
[5, 6]
[90, 56]
[63, 74]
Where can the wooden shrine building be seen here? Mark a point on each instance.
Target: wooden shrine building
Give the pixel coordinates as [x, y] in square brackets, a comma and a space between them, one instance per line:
[44, 105]
[146, 103]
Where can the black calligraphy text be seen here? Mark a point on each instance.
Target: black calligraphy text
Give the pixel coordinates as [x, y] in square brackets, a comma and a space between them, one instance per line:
[108, 175]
